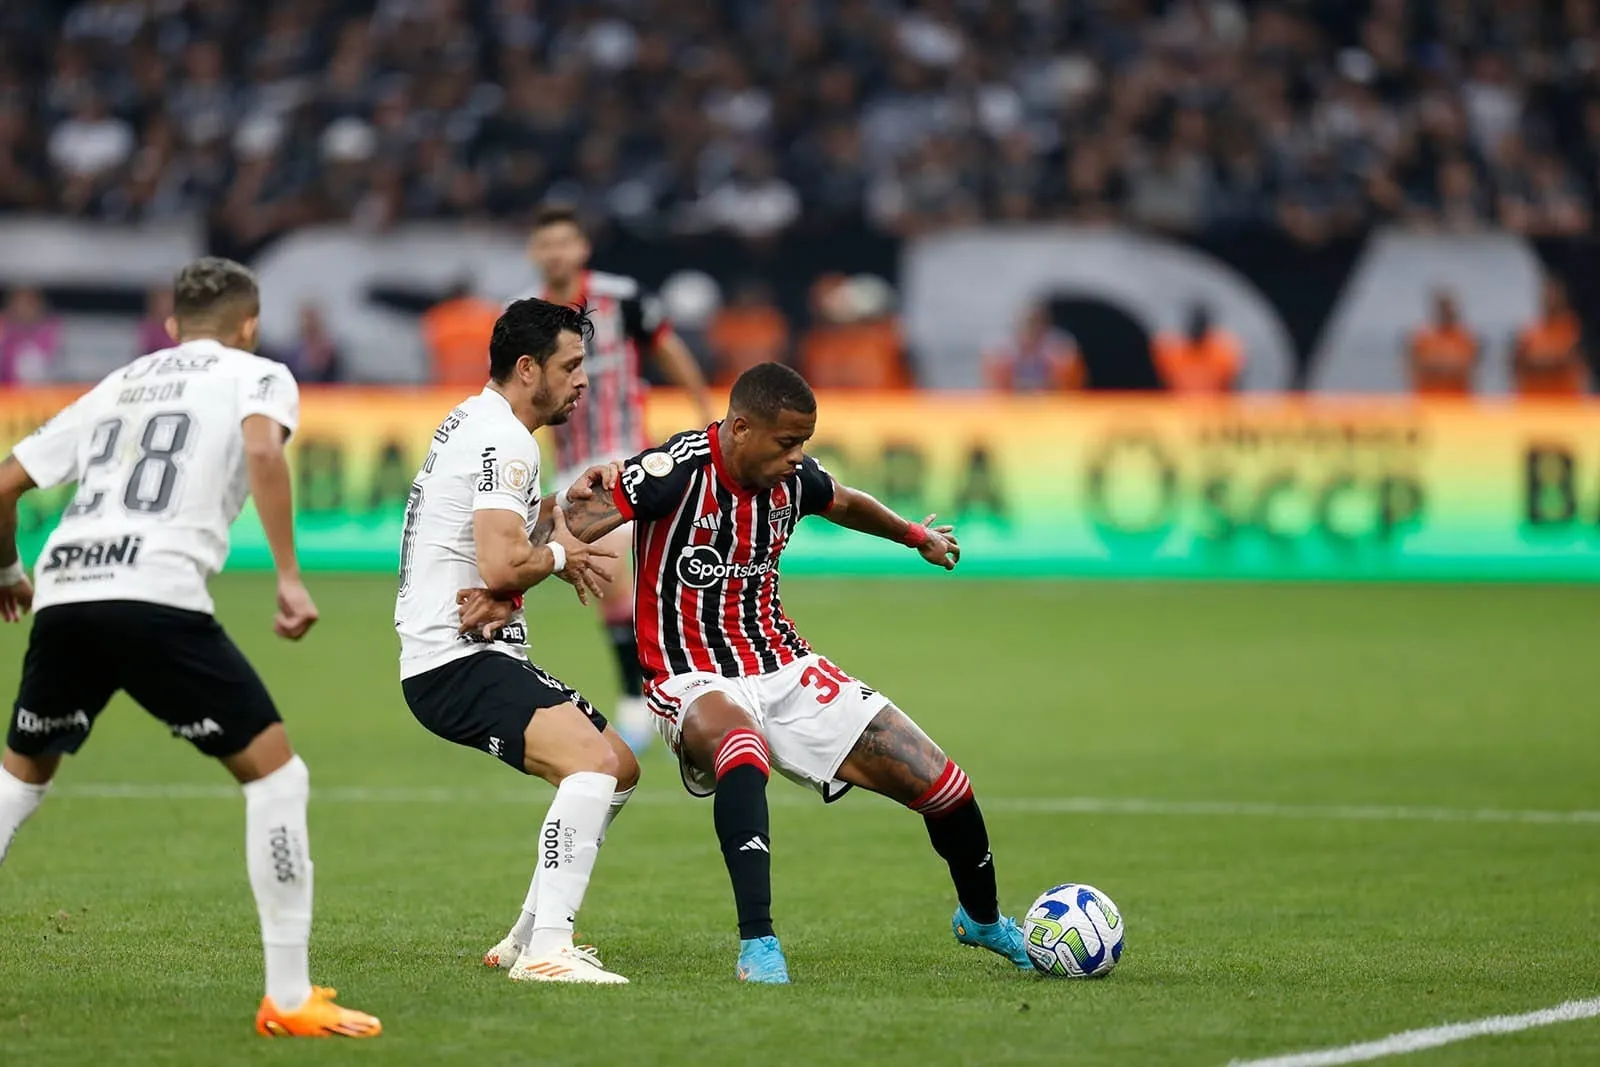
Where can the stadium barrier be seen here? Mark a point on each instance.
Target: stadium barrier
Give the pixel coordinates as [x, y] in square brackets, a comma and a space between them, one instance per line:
[1127, 486]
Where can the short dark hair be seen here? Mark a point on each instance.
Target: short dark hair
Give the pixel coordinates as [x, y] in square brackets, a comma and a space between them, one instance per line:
[769, 388]
[556, 215]
[216, 292]
[532, 328]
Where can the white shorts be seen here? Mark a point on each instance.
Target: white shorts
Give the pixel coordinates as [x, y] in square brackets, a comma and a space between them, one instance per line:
[810, 711]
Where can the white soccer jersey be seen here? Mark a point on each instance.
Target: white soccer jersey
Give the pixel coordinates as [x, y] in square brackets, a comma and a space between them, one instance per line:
[157, 450]
[482, 458]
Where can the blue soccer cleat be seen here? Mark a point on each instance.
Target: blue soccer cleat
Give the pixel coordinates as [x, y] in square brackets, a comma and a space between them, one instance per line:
[1003, 937]
[761, 960]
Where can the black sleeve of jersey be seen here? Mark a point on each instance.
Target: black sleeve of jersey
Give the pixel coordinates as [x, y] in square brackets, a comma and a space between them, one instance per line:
[642, 320]
[653, 482]
[816, 487]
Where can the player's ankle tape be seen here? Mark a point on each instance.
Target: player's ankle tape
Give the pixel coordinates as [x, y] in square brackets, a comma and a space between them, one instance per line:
[950, 791]
[742, 748]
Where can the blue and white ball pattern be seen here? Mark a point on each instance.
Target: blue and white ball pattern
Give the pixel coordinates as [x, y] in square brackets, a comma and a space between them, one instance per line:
[1074, 931]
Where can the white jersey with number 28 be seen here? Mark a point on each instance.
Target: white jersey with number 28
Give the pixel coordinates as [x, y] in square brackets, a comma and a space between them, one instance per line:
[481, 458]
[157, 450]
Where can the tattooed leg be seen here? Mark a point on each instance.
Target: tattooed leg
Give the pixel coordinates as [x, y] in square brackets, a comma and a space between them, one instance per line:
[895, 758]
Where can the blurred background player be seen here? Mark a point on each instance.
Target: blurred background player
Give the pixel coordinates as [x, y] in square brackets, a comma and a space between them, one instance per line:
[165, 452]
[735, 689]
[1443, 355]
[609, 424]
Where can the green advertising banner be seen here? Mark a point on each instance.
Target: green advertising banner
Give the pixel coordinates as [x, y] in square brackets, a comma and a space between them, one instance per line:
[1116, 486]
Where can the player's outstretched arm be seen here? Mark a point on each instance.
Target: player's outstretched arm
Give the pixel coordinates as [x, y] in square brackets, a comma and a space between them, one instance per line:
[16, 593]
[855, 510]
[271, 487]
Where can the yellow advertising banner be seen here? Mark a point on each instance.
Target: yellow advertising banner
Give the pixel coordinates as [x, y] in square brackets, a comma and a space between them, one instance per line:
[1118, 485]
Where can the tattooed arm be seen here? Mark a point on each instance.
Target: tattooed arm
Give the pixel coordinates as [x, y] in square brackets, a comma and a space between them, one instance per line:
[593, 518]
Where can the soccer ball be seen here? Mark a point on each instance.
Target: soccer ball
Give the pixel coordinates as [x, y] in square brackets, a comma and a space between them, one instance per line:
[1074, 931]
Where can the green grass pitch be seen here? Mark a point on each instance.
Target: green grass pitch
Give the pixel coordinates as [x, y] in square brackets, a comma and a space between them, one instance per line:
[1277, 782]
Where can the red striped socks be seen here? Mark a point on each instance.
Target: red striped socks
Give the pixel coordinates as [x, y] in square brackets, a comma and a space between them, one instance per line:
[950, 791]
[740, 811]
[742, 748]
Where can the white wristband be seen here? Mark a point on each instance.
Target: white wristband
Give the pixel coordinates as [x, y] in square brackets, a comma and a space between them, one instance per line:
[560, 554]
[563, 501]
[13, 574]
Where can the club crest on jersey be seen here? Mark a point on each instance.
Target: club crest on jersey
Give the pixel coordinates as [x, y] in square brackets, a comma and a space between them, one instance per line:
[516, 476]
[657, 464]
[780, 519]
[702, 566]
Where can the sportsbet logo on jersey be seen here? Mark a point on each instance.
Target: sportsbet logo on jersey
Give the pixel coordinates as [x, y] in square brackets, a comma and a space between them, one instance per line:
[701, 567]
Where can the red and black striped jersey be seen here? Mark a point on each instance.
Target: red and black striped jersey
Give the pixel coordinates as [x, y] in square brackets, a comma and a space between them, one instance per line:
[609, 422]
[706, 559]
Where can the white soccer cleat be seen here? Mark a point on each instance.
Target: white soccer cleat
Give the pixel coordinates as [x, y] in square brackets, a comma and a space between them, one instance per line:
[504, 955]
[570, 963]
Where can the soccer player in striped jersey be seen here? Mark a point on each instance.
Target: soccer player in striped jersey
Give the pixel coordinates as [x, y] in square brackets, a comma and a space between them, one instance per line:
[609, 425]
[735, 689]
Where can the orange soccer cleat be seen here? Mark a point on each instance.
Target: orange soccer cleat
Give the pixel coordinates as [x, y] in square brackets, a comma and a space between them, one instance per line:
[319, 1016]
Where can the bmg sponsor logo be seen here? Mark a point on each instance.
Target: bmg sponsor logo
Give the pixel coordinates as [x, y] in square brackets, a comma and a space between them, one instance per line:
[112, 552]
[489, 470]
[701, 567]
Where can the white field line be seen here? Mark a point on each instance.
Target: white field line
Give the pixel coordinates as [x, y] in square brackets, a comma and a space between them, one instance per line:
[1432, 1037]
[1014, 805]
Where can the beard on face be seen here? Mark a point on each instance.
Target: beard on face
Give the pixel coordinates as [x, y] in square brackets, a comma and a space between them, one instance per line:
[554, 415]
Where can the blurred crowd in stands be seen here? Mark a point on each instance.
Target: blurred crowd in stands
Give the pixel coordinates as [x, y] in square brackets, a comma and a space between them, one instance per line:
[678, 116]
[666, 119]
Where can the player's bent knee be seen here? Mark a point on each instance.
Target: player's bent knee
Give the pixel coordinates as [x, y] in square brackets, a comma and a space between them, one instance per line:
[30, 770]
[627, 773]
[266, 753]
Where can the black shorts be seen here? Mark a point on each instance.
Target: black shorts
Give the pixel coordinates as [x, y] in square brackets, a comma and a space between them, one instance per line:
[486, 701]
[178, 664]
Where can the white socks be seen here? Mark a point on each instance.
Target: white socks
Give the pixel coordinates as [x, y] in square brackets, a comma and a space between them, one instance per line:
[18, 800]
[569, 843]
[618, 799]
[522, 930]
[278, 856]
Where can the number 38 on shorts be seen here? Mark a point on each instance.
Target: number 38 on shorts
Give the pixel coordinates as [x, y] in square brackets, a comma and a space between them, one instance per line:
[811, 712]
